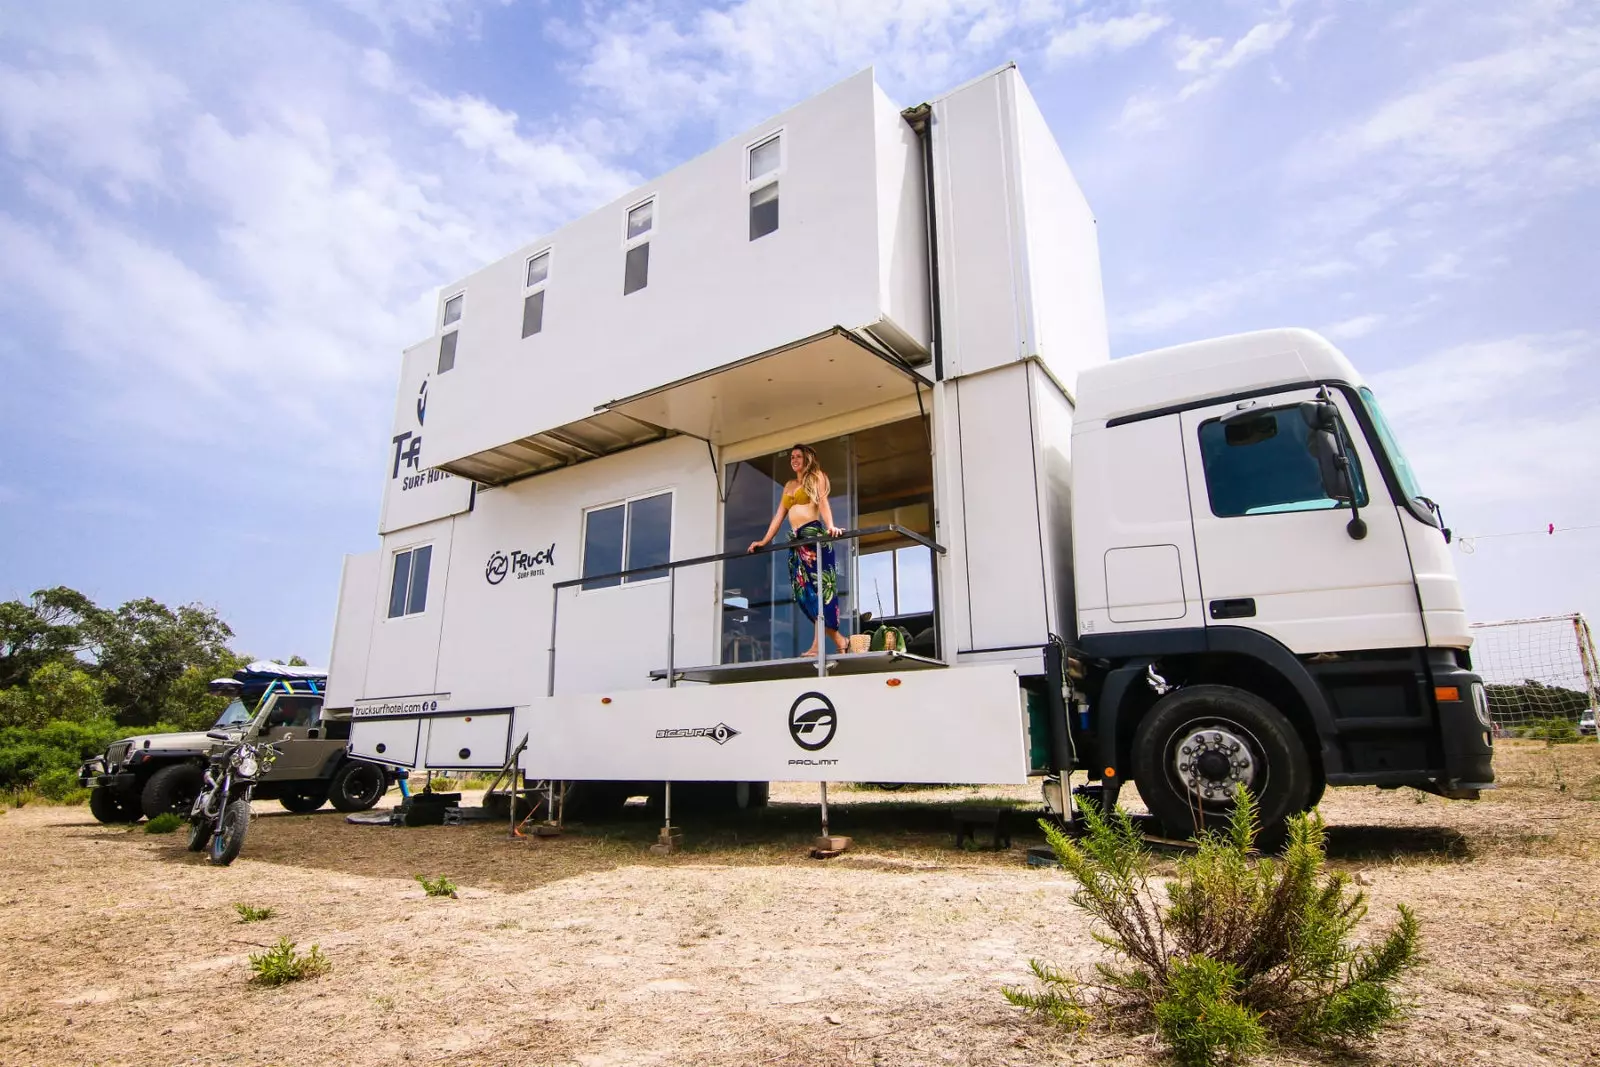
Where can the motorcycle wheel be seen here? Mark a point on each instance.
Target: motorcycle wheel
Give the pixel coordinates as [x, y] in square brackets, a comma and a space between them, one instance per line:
[199, 833]
[230, 835]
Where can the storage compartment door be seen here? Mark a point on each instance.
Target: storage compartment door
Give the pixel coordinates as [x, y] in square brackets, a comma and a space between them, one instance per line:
[477, 741]
[385, 740]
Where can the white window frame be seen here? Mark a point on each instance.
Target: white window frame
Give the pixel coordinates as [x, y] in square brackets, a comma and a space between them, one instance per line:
[752, 184]
[388, 589]
[583, 538]
[446, 327]
[655, 220]
[541, 285]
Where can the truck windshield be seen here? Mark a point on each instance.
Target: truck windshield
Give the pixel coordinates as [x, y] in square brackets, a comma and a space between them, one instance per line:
[235, 714]
[1391, 447]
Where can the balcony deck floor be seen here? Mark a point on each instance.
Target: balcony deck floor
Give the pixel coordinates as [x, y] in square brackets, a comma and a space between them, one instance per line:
[801, 667]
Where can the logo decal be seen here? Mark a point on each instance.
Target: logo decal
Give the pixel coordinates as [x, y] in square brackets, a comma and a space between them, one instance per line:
[498, 565]
[721, 733]
[422, 401]
[812, 721]
[517, 562]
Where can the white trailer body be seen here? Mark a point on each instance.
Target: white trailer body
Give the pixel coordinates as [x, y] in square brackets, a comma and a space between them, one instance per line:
[600, 424]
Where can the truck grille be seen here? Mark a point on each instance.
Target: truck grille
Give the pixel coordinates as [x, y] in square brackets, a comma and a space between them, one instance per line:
[116, 754]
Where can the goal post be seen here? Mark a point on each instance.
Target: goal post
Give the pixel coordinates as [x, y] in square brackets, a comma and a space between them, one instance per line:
[1541, 676]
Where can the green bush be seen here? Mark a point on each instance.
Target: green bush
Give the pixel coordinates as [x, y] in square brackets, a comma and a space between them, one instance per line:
[248, 914]
[281, 964]
[165, 823]
[1554, 730]
[441, 886]
[57, 785]
[1247, 950]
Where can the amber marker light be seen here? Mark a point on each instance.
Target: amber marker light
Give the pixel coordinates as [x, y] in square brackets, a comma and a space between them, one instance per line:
[605, 700]
[1111, 772]
[1446, 693]
[892, 682]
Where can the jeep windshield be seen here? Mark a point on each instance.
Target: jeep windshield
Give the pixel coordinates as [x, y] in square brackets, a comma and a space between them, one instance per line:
[235, 714]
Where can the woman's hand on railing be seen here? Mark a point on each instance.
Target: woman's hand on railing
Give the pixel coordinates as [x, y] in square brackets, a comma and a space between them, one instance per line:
[755, 545]
[835, 531]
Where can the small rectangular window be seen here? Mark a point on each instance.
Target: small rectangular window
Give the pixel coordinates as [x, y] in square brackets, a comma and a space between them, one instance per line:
[538, 269]
[636, 269]
[763, 211]
[766, 157]
[532, 313]
[602, 545]
[447, 351]
[641, 219]
[627, 536]
[1260, 464]
[408, 586]
[452, 308]
[649, 534]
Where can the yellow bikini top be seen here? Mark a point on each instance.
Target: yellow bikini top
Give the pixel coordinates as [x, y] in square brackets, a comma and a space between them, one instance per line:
[799, 496]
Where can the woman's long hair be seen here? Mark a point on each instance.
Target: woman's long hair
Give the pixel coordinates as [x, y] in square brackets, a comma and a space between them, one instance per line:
[810, 476]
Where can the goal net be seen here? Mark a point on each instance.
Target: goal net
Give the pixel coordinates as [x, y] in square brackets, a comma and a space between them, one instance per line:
[1541, 675]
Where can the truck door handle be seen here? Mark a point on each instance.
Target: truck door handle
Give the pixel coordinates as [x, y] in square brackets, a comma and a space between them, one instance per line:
[313, 733]
[1243, 607]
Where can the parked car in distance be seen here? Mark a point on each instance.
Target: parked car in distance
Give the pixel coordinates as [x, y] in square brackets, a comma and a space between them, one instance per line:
[146, 775]
[1586, 725]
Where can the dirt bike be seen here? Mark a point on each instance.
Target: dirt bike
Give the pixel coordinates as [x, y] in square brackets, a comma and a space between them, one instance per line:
[221, 813]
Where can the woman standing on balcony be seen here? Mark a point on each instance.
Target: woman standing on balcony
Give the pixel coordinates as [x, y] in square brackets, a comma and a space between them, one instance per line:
[805, 502]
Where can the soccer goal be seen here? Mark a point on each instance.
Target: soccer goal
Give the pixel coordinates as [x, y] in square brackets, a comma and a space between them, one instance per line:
[1540, 674]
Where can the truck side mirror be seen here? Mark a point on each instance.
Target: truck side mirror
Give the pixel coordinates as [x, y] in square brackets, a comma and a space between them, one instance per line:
[1324, 447]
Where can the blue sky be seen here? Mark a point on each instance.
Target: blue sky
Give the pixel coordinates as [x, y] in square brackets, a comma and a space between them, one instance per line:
[220, 223]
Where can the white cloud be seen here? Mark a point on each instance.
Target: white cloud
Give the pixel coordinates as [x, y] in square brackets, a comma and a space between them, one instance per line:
[424, 18]
[1207, 62]
[1086, 36]
[1350, 329]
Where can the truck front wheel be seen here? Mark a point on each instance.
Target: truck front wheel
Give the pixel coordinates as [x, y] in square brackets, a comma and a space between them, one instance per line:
[1197, 744]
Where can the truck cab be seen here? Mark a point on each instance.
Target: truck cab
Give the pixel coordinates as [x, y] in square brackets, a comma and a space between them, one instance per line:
[1265, 593]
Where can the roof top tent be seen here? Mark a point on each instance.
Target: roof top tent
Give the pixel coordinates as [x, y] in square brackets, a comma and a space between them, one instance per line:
[599, 427]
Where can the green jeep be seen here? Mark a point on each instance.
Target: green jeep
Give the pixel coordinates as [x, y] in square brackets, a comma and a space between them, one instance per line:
[153, 773]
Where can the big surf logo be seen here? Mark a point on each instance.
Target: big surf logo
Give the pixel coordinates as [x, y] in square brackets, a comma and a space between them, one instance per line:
[812, 721]
[518, 563]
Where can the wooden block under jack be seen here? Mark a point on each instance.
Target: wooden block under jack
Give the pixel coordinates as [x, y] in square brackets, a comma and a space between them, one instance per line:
[668, 841]
[547, 829]
[826, 847]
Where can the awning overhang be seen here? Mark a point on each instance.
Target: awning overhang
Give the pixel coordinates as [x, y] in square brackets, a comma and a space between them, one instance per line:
[821, 377]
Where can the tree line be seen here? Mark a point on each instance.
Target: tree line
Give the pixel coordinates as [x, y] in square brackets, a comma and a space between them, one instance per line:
[75, 676]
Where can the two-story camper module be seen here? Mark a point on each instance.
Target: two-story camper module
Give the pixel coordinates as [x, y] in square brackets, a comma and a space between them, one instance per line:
[621, 395]
[590, 452]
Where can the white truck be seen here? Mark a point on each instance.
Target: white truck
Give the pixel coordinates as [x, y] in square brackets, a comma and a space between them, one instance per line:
[1193, 568]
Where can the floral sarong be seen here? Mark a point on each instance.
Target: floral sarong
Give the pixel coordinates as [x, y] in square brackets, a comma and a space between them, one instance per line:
[803, 576]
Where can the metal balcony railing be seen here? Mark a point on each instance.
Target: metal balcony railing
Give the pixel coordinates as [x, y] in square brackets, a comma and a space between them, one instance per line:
[671, 569]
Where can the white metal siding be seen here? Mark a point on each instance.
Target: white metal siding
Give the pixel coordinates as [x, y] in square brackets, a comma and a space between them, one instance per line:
[405, 651]
[478, 741]
[1053, 444]
[352, 629]
[386, 740]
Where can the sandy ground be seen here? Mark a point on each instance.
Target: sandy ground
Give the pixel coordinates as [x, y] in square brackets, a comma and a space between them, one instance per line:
[122, 948]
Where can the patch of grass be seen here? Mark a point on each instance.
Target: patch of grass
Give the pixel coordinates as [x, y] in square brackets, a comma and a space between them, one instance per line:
[248, 914]
[1247, 951]
[282, 964]
[440, 886]
[165, 823]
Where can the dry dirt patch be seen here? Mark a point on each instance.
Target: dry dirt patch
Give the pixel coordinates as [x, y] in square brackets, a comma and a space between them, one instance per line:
[124, 949]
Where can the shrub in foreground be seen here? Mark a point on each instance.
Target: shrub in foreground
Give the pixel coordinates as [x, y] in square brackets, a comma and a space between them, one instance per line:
[281, 964]
[1247, 950]
[165, 823]
[249, 914]
[441, 886]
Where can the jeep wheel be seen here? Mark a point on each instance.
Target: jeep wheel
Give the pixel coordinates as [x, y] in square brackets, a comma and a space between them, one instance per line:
[111, 807]
[171, 789]
[357, 786]
[305, 800]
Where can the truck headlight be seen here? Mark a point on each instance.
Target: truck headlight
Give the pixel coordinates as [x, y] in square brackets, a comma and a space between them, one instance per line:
[1480, 704]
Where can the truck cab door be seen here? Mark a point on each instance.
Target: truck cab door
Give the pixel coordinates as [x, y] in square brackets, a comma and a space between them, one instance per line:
[1274, 549]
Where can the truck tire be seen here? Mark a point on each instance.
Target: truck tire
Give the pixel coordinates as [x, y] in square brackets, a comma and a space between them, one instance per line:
[1196, 744]
[172, 788]
[111, 807]
[595, 801]
[304, 801]
[357, 786]
[748, 795]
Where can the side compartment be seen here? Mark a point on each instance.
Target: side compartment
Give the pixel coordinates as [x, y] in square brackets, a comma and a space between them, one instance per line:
[479, 741]
[392, 741]
[352, 630]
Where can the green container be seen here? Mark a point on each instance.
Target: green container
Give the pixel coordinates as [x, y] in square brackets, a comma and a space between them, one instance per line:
[1039, 733]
